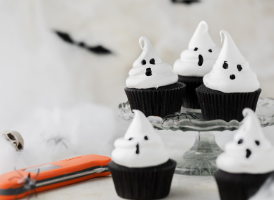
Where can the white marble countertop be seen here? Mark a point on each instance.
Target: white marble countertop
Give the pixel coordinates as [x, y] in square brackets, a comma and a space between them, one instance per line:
[183, 187]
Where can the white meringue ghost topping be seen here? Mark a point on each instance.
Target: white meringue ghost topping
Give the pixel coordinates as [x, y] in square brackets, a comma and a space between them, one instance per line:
[149, 71]
[141, 146]
[200, 56]
[231, 72]
[250, 151]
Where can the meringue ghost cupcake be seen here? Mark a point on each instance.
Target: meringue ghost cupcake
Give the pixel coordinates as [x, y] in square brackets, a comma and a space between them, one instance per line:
[247, 161]
[152, 84]
[140, 166]
[195, 62]
[230, 87]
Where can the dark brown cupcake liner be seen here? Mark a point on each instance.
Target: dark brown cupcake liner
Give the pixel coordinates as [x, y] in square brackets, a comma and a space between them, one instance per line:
[161, 102]
[143, 183]
[190, 99]
[226, 106]
[239, 186]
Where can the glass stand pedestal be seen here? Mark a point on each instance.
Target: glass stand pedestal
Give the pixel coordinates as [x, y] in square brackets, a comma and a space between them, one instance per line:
[200, 160]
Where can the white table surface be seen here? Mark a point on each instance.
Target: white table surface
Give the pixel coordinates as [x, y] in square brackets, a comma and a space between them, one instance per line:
[183, 187]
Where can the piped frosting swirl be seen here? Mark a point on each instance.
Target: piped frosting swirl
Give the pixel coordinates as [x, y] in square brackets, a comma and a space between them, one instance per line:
[141, 146]
[250, 151]
[231, 72]
[148, 70]
[200, 56]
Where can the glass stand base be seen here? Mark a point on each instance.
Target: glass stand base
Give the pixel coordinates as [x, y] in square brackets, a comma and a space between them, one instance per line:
[200, 160]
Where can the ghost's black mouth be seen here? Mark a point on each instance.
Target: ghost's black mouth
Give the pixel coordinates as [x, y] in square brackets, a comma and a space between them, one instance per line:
[96, 49]
[201, 60]
[137, 149]
[248, 153]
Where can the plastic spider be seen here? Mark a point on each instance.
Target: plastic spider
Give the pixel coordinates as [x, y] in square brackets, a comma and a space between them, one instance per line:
[58, 140]
[28, 183]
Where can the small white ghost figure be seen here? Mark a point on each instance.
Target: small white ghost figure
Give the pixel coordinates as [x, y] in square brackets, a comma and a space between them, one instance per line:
[200, 56]
[250, 151]
[141, 146]
[148, 70]
[250, 138]
[14, 138]
[231, 72]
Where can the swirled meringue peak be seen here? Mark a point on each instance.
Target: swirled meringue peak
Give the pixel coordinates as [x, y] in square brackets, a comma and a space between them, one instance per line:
[250, 151]
[148, 70]
[231, 72]
[200, 56]
[141, 146]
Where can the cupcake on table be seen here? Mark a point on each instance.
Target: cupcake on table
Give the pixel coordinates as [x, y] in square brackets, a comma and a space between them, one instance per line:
[152, 85]
[230, 86]
[195, 62]
[140, 166]
[247, 161]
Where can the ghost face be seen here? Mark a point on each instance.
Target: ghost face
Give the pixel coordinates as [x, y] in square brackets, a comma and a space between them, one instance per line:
[232, 69]
[248, 147]
[201, 55]
[148, 69]
[140, 150]
[138, 140]
[232, 74]
[135, 144]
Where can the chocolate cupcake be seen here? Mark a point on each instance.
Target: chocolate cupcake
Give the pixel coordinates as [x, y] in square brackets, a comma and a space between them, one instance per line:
[195, 62]
[152, 85]
[140, 166]
[230, 87]
[247, 161]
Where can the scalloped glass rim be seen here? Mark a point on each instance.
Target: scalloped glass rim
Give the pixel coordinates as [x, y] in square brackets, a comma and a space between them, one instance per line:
[192, 120]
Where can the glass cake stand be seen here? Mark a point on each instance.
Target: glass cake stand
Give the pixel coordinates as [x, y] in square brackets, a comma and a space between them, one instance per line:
[200, 160]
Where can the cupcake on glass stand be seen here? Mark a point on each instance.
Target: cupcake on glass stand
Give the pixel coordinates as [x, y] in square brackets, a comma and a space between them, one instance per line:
[152, 85]
[195, 62]
[230, 87]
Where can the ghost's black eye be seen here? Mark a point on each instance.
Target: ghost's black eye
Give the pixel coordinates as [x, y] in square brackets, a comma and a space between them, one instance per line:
[239, 68]
[130, 138]
[146, 138]
[143, 62]
[257, 142]
[196, 49]
[152, 61]
[225, 65]
[240, 141]
[210, 50]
